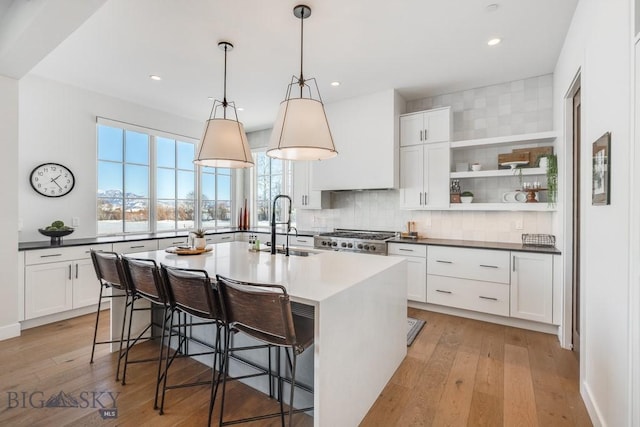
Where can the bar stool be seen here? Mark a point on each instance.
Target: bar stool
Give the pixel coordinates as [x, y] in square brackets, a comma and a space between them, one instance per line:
[193, 292]
[145, 282]
[263, 311]
[108, 268]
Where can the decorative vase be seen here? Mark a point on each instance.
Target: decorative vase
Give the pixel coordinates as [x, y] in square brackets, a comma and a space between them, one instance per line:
[200, 242]
[466, 199]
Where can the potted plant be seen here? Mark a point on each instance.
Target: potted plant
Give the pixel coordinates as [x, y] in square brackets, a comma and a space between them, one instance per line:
[466, 197]
[551, 161]
[199, 242]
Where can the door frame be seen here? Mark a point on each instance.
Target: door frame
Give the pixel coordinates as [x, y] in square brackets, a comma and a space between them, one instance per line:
[566, 332]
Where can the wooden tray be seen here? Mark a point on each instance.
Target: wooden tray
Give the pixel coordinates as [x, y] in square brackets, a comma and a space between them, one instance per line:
[190, 251]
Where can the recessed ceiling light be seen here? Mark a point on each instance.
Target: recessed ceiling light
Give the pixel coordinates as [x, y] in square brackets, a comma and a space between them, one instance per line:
[492, 7]
[494, 41]
[210, 98]
[240, 109]
[154, 77]
[335, 83]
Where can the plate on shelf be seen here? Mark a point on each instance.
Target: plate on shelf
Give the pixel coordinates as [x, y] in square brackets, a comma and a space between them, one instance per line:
[514, 197]
[515, 164]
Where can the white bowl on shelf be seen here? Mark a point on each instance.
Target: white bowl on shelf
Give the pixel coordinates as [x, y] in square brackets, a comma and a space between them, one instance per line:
[476, 167]
[466, 199]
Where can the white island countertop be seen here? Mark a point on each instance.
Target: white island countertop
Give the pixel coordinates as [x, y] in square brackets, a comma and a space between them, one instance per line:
[360, 316]
[309, 279]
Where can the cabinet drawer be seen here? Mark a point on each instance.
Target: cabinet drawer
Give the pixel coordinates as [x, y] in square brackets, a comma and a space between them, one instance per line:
[219, 238]
[139, 246]
[475, 264]
[173, 241]
[301, 241]
[407, 249]
[42, 256]
[485, 297]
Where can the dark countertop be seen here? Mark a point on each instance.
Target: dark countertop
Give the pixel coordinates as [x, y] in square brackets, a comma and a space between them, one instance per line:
[480, 245]
[66, 242]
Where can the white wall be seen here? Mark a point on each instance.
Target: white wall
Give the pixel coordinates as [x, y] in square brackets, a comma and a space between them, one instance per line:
[9, 325]
[58, 124]
[598, 43]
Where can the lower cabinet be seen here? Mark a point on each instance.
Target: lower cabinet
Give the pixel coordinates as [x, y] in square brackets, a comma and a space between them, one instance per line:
[475, 295]
[57, 280]
[416, 256]
[532, 286]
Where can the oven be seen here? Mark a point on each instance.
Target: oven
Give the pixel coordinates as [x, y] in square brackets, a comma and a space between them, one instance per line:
[361, 241]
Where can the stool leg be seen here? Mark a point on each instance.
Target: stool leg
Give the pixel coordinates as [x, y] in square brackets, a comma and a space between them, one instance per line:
[280, 386]
[95, 330]
[124, 322]
[225, 371]
[293, 386]
[167, 361]
[158, 377]
[126, 353]
[214, 381]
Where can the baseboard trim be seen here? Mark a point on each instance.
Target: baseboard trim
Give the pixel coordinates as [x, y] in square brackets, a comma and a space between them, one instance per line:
[9, 331]
[39, 321]
[592, 408]
[507, 321]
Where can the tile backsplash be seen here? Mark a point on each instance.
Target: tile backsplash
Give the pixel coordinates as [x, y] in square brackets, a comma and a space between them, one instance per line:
[378, 210]
[522, 106]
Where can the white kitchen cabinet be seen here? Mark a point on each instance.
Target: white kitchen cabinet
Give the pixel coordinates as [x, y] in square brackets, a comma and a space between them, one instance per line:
[366, 133]
[172, 241]
[59, 279]
[212, 239]
[304, 196]
[416, 256]
[424, 176]
[137, 246]
[425, 127]
[532, 286]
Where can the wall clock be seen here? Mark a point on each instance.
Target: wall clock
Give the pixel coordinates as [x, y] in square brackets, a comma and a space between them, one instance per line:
[52, 180]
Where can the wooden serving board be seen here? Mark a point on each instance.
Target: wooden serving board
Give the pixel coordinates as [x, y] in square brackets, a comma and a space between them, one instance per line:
[190, 251]
[534, 153]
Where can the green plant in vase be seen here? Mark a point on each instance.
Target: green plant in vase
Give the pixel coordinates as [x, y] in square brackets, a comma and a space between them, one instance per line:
[552, 179]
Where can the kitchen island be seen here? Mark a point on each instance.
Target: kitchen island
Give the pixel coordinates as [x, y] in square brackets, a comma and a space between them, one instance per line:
[359, 308]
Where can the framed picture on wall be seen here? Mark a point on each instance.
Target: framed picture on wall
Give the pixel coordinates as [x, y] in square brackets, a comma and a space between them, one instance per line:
[600, 193]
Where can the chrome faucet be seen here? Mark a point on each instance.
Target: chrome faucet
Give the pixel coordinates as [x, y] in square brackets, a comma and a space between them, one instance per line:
[274, 223]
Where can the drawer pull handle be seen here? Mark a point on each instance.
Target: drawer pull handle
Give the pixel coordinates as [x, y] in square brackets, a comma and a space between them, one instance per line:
[444, 292]
[136, 247]
[48, 256]
[179, 241]
[488, 266]
[513, 264]
[225, 238]
[405, 250]
[489, 298]
[76, 270]
[69, 271]
[444, 262]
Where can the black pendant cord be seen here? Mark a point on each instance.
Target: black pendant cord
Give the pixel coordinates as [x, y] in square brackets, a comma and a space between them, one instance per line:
[301, 80]
[224, 96]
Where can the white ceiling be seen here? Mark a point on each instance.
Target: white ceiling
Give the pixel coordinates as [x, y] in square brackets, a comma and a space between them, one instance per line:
[419, 47]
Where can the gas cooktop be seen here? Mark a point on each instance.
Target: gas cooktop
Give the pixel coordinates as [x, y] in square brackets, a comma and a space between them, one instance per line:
[354, 241]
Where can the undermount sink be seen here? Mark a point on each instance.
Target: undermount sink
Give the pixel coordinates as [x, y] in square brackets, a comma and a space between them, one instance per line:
[292, 252]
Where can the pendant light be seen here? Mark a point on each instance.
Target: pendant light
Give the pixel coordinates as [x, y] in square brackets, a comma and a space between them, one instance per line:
[301, 130]
[224, 143]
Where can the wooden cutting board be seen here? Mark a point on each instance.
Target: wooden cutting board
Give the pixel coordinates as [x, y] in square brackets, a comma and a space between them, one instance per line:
[190, 251]
[534, 153]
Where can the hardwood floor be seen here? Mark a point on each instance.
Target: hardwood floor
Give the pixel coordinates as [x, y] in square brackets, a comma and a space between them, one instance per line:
[458, 372]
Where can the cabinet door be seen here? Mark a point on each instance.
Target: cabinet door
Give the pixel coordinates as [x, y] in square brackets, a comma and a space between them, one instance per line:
[437, 125]
[300, 184]
[436, 161]
[174, 241]
[416, 278]
[532, 286]
[411, 177]
[47, 289]
[86, 288]
[412, 129]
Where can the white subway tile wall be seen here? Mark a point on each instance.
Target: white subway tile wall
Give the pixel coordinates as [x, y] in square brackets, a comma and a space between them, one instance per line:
[522, 106]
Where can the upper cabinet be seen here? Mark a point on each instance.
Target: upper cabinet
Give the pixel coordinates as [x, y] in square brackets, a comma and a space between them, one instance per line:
[425, 127]
[366, 132]
[303, 195]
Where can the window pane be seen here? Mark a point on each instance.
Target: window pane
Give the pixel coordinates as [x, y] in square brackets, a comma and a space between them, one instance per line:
[186, 154]
[136, 147]
[109, 143]
[166, 214]
[262, 164]
[276, 185]
[208, 186]
[165, 153]
[166, 183]
[208, 214]
[136, 181]
[224, 187]
[262, 211]
[110, 179]
[276, 167]
[185, 213]
[223, 212]
[186, 185]
[136, 215]
[109, 215]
